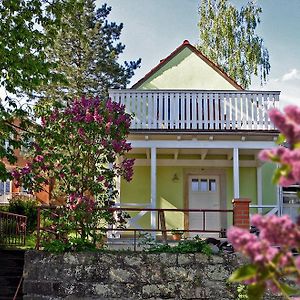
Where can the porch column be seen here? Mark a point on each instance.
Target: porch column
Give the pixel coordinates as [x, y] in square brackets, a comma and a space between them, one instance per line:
[153, 188]
[236, 174]
[259, 188]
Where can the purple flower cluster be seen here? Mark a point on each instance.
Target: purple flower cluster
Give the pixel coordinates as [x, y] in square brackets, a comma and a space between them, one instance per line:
[126, 169]
[259, 251]
[278, 236]
[288, 123]
[280, 231]
[288, 157]
[77, 201]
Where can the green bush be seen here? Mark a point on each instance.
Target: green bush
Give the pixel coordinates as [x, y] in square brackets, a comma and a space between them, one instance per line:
[26, 206]
[186, 246]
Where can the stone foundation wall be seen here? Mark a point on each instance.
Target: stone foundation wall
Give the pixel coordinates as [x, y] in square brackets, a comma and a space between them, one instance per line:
[87, 276]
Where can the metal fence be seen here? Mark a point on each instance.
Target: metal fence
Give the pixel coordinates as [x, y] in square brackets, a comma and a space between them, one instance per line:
[12, 229]
[160, 226]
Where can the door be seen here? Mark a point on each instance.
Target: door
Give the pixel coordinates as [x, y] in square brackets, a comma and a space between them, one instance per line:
[204, 193]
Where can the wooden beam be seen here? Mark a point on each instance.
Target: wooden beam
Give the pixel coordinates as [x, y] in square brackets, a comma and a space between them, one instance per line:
[204, 153]
[148, 153]
[195, 163]
[229, 155]
[176, 154]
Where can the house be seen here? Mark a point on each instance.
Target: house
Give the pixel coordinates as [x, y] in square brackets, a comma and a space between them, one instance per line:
[8, 188]
[196, 135]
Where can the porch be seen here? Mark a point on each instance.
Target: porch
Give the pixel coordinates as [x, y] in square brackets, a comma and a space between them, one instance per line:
[180, 171]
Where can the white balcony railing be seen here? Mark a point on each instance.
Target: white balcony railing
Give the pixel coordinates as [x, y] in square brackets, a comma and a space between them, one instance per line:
[198, 110]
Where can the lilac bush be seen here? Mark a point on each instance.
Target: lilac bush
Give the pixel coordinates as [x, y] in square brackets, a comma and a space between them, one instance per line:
[271, 253]
[79, 150]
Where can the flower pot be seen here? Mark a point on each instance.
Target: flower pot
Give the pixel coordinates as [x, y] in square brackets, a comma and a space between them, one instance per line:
[177, 236]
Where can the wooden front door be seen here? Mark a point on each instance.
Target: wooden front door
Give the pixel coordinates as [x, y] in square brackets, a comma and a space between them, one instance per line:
[204, 193]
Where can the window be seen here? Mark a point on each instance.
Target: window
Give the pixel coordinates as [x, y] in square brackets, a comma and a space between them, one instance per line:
[195, 185]
[212, 185]
[4, 187]
[204, 185]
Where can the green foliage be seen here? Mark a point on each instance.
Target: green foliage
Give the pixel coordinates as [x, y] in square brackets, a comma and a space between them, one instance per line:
[23, 65]
[86, 51]
[243, 273]
[228, 37]
[196, 245]
[177, 231]
[242, 292]
[72, 245]
[23, 205]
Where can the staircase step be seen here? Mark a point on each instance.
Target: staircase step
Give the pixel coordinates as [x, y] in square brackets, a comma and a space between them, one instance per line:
[11, 270]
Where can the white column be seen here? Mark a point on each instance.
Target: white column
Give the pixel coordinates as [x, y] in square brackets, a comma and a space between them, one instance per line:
[279, 200]
[118, 188]
[153, 187]
[236, 174]
[259, 188]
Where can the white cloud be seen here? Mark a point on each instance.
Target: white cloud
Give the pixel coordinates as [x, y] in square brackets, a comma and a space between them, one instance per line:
[293, 74]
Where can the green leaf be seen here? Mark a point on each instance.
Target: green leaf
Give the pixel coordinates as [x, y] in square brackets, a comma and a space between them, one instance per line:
[243, 273]
[256, 291]
[281, 139]
[289, 290]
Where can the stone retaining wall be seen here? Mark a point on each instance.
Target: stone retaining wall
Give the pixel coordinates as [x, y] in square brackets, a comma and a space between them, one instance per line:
[87, 276]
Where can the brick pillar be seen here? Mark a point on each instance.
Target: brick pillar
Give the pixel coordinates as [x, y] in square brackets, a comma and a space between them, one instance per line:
[241, 213]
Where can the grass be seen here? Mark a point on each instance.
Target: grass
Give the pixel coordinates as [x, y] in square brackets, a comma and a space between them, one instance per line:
[29, 243]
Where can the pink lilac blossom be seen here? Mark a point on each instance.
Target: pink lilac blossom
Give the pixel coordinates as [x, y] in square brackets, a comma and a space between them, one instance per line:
[259, 251]
[288, 123]
[81, 202]
[289, 158]
[280, 231]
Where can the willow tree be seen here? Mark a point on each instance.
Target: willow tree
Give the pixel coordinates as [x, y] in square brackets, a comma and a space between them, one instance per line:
[228, 37]
[86, 51]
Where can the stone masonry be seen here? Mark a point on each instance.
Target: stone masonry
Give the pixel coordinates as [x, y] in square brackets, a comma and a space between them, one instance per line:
[135, 275]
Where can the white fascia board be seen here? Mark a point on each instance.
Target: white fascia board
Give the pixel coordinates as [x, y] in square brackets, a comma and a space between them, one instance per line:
[193, 163]
[203, 144]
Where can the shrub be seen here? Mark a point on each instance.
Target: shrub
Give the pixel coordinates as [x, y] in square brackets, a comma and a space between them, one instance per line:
[26, 206]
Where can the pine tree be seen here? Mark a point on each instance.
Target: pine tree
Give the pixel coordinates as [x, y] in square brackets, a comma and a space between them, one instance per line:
[86, 51]
[228, 38]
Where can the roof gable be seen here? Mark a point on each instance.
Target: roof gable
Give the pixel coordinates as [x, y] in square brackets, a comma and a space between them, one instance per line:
[187, 68]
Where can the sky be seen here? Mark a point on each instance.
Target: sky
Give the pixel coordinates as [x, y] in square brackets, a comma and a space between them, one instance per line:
[154, 28]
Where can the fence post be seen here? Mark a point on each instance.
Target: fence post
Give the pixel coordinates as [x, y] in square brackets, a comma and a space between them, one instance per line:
[38, 233]
[241, 212]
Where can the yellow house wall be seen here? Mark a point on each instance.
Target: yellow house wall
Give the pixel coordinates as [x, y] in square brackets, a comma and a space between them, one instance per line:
[170, 194]
[186, 71]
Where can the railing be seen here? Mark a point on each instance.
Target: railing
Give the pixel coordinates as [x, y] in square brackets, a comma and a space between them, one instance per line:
[160, 226]
[198, 110]
[12, 229]
[4, 199]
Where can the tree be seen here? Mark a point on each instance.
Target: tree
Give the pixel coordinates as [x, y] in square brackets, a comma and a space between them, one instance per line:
[86, 52]
[77, 146]
[22, 64]
[228, 38]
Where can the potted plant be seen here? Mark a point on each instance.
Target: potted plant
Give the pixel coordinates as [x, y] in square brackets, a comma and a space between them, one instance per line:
[176, 234]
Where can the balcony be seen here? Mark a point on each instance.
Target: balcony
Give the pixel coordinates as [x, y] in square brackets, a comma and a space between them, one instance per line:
[198, 110]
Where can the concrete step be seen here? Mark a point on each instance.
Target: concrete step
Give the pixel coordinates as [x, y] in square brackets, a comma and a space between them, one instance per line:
[11, 271]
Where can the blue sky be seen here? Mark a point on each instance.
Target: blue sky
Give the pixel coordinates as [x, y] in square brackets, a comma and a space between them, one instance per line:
[154, 28]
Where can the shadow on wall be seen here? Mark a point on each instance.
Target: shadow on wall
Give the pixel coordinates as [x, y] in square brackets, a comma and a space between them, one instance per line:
[173, 219]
